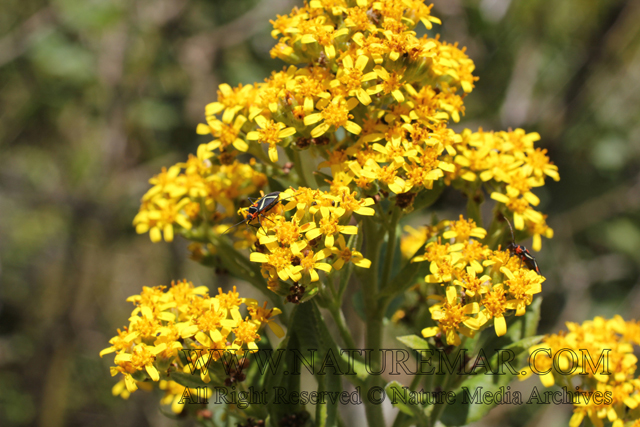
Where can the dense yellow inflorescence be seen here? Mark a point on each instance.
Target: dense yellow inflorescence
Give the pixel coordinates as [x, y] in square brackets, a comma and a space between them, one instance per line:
[560, 360]
[183, 317]
[480, 286]
[304, 234]
[372, 100]
[353, 131]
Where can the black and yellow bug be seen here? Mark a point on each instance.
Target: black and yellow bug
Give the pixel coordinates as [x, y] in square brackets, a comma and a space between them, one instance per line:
[521, 252]
[259, 207]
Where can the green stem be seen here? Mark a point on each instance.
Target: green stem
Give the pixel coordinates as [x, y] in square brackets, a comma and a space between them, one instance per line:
[300, 169]
[437, 410]
[244, 269]
[344, 281]
[402, 418]
[391, 246]
[338, 317]
[373, 335]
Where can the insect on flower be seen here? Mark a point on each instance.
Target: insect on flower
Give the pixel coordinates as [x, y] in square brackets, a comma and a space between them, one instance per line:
[259, 207]
[521, 252]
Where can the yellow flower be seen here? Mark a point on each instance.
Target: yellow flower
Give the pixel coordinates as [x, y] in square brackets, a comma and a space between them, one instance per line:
[225, 132]
[352, 76]
[538, 230]
[473, 284]
[329, 227]
[262, 315]
[177, 318]
[520, 208]
[271, 133]
[310, 261]
[333, 114]
[324, 35]
[451, 317]
[522, 285]
[391, 83]
[614, 338]
[495, 304]
[230, 101]
[281, 260]
[463, 229]
[345, 254]
[160, 216]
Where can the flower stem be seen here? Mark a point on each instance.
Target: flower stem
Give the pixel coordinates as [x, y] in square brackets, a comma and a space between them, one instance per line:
[373, 336]
[446, 383]
[302, 169]
[338, 317]
[391, 245]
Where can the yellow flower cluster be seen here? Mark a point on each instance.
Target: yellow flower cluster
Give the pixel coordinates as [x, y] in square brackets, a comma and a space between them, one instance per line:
[366, 73]
[368, 97]
[293, 247]
[559, 359]
[480, 285]
[166, 321]
[192, 192]
[510, 167]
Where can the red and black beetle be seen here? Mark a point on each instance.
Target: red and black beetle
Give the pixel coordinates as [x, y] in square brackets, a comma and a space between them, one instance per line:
[259, 207]
[521, 252]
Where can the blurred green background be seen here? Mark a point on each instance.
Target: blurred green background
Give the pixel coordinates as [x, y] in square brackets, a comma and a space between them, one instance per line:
[97, 95]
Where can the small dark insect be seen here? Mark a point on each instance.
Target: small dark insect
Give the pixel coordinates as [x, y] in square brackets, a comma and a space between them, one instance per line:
[521, 252]
[258, 208]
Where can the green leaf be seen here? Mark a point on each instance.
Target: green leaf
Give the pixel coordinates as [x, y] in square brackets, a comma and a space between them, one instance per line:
[358, 304]
[290, 383]
[426, 198]
[321, 178]
[276, 184]
[473, 211]
[399, 397]
[414, 342]
[310, 329]
[519, 327]
[358, 367]
[188, 380]
[517, 340]
[532, 318]
[406, 277]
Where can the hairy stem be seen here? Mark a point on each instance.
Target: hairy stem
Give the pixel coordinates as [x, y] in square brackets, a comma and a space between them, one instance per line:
[391, 245]
[373, 335]
[338, 317]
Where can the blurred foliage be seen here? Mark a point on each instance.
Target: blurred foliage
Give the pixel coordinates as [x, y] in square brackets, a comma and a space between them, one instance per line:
[97, 95]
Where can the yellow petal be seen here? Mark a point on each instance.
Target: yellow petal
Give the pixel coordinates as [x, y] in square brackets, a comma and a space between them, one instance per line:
[501, 326]
[203, 129]
[430, 332]
[284, 133]
[312, 119]
[499, 197]
[153, 372]
[258, 257]
[361, 62]
[320, 130]
[452, 295]
[276, 329]
[240, 145]
[363, 97]
[273, 153]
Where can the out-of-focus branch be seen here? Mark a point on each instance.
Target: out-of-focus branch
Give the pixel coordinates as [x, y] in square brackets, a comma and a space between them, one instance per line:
[17, 42]
[198, 52]
[624, 198]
